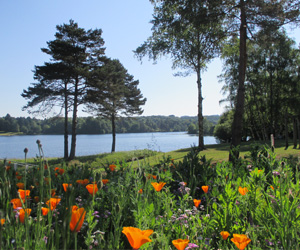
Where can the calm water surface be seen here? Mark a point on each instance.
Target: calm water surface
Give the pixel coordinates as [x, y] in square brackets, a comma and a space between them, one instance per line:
[13, 146]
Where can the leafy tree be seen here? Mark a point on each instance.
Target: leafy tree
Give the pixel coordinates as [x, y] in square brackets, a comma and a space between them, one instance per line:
[246, 17]
[75, 53]
[190, 32]
[222, 130]
[114, 92]
[271, 86]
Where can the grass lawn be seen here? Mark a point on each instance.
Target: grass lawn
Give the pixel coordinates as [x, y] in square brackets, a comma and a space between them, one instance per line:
[216, 152]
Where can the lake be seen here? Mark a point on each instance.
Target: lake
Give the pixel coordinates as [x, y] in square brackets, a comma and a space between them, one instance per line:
[53, 145]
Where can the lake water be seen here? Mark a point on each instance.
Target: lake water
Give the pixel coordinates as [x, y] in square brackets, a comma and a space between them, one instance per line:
[13, 146]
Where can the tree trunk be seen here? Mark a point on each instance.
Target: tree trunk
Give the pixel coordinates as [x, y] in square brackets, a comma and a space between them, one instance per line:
[113, 126]
[271, 103]
[66, 133]
[200, 115]
[295, 132]
[74, 123]
[237, 125]
[286, 130]
[298, 126]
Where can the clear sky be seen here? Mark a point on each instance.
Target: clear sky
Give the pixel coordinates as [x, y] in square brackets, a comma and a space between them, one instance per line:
[26, 26]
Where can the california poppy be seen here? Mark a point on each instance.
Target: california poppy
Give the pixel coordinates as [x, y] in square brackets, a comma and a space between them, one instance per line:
[240, 240]
[20, 185]
[272, 187]
[45, 211]
[61, 171]
[46, 179]
[92, 188]
[151, 176]
[158, 186]
[66, 186]
[23, 193]
[77, 218]
[197, 202]
[2, 222]
[243, 191]
[140, 191]
[36, 199]
[56, 169]
[180, 244]
[16, 203]
[112, 167]
[224, 235]
[53, 192]
[53, 202]
[136, 236]
[22, 213]
[205, 188]
[105, 181]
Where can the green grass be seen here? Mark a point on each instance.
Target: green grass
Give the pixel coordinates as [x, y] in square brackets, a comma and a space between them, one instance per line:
[216, 152]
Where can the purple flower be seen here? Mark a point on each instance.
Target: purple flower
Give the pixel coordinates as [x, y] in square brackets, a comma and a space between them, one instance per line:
[191, 246]
[45, 239]
[276, 173]
[269, 243]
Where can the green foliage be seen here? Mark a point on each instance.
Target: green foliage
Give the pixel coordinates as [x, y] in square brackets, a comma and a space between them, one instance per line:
[222, 130]
[268, 213]
[92, 125]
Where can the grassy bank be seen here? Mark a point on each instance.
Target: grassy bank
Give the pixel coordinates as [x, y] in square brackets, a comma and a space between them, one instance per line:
[215, 152]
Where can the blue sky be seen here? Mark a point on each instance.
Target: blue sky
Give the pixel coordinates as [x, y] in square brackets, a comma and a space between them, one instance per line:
[26, 26]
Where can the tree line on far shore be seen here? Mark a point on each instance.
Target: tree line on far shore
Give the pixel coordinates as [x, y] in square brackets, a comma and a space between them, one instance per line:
[98, 125]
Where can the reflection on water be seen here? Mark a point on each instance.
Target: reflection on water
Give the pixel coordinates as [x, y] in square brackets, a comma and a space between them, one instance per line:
[13, 146]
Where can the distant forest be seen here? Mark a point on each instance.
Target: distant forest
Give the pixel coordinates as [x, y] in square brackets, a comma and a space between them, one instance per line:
[92, 125]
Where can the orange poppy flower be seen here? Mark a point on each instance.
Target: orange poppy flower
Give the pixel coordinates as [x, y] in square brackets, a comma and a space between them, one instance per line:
[158, 186]
[92, 188]
[46, 179]
[205, 188]
[22, 213]
[19, 177]
[272, 187]
[23, 193]
[61, 171]
[224, 235]
[66, 186]
[53, 192]
[77, 218]
[105, 181]
[112, 167]
[20, 185]
[45, 211]
[180, 244]
[53, 202]
[17, 173]
[197, 202]
[151, 176]
[36, 199]
[56, 169]
[16, 203]
[136, 236]
[240, 240]
[140, 191]
[243, 191]
[2, 222]
[56, 174]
